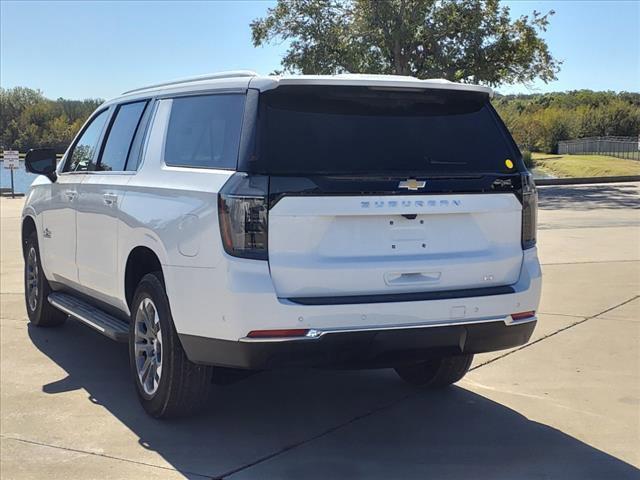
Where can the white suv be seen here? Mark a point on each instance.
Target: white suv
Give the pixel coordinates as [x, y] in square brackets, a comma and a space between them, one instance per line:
[252, 222]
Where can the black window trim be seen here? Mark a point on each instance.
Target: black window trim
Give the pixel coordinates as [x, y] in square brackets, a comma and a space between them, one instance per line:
[147, 117]
[87, 124]
[105, 137]
[242, 92]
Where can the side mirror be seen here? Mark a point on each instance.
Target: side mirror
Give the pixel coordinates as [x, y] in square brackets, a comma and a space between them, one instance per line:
[42, 161]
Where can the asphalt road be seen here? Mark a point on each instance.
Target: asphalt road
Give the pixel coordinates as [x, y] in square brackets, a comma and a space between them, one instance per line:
[567, 405]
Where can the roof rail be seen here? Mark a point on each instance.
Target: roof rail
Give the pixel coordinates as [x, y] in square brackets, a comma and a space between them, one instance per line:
[207, 76]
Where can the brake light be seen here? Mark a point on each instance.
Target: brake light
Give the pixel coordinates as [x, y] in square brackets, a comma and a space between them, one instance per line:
[529, 211]
[243, 216]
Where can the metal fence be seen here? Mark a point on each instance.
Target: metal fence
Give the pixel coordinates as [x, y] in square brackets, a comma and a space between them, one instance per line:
[621, 147]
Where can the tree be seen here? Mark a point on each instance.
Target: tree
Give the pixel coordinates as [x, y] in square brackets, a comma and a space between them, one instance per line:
[29, 120]
[539, 121]
[460, 40]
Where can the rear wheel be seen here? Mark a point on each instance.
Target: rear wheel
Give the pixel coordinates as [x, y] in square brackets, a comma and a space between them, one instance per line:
[436, 373]
[36, 288]
[168, 384]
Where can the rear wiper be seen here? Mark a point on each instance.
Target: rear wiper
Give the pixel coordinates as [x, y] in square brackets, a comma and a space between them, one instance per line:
[440, 162]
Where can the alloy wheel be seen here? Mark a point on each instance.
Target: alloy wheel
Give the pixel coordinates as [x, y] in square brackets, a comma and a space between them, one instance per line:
[32, 279]
[148, 346]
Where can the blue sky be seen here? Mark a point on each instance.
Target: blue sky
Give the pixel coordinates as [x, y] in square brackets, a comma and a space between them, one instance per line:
[99, 49]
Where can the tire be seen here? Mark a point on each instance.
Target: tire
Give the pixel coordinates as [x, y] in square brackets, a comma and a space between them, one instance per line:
[436, 373]
[172, 385]
[37, 289]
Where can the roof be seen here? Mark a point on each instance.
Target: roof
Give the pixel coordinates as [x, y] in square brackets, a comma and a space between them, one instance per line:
[365, 80]
[242, 79]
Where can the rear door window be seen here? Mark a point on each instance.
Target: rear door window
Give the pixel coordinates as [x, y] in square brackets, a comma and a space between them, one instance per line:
[204, 131]
[359, 130]
[120, 138]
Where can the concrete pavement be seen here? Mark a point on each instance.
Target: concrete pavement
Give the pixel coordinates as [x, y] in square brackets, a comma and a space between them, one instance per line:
[567, 405]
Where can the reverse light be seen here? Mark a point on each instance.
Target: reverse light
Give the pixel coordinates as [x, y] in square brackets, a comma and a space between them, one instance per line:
[523, 315]
[243, 215]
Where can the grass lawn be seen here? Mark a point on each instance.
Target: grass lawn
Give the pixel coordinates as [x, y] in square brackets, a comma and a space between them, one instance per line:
[585, 165]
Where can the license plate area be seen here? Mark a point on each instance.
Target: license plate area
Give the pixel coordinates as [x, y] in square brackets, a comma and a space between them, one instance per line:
[406, 235]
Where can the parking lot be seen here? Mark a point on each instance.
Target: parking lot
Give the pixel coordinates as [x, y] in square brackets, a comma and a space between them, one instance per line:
[567, 405]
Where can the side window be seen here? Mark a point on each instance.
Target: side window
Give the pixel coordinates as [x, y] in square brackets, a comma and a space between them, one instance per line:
[120, 137]
[135, 152]
[204, 131]
[83, 156]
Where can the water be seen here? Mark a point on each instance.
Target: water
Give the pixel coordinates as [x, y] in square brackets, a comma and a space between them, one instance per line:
[21, 178]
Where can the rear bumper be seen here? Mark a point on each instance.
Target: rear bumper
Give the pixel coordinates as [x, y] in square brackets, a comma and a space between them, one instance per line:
[215, 308]
[361, 348]
[229, 301]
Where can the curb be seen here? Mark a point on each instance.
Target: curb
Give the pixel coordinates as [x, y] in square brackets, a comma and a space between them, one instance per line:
[586, 180]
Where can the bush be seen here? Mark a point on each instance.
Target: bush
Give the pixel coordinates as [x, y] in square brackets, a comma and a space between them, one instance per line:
[528, 159]
[539, 121]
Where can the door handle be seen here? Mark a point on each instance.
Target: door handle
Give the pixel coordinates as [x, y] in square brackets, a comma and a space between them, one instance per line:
[71, 195]
[109, 199]
[411, 278]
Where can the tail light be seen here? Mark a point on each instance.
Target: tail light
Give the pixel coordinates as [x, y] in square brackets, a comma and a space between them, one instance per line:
[243, 215]
[529, 211]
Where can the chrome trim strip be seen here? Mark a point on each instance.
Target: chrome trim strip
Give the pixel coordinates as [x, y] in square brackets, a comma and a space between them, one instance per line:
[319, 333]
[277, 339]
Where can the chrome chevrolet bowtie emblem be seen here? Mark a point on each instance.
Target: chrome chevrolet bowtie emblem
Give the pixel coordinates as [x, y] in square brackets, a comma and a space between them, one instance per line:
[412, 184]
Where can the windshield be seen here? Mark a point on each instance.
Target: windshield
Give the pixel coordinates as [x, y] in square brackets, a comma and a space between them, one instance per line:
[307, 130]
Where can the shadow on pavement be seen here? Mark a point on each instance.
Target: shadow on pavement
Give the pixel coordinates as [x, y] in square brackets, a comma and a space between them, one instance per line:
[588, 197]
[453, 433]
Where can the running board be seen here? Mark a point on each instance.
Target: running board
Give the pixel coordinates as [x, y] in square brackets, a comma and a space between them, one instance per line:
[97, 319]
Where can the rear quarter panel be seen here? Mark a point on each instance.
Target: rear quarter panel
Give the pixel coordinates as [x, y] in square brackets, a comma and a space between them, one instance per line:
[173, 212]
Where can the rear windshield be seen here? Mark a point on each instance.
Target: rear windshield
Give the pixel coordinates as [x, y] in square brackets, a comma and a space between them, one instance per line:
[305, 130]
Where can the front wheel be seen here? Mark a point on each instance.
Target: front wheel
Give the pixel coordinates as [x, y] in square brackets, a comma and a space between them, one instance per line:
[168, 384]
[36, 288]
[437, 372]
